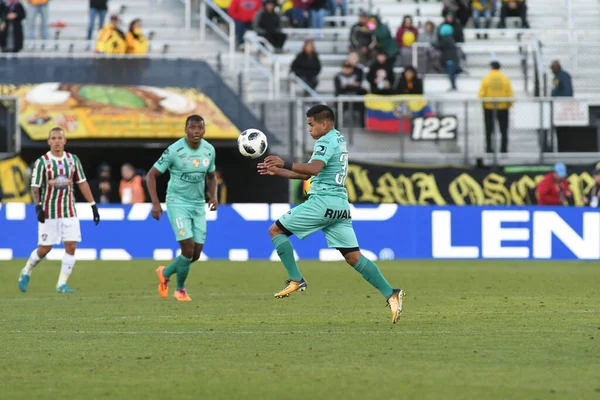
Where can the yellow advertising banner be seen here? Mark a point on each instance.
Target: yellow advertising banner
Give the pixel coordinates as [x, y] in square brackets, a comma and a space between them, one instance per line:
[14, 182]
[115, 112]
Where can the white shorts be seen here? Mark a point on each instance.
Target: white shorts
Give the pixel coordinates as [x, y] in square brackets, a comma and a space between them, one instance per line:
[55, 231]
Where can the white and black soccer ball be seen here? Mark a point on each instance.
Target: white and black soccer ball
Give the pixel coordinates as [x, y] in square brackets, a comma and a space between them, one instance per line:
[252, 143]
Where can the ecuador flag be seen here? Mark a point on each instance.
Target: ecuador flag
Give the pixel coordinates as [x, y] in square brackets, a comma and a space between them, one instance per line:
[394, 116]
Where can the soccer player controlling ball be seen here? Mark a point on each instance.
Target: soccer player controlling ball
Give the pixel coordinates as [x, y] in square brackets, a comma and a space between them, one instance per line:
[327, 208]
[52, 191]
[189, 160]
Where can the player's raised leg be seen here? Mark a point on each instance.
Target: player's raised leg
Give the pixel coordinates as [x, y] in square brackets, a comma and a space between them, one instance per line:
[341, 235]
[280, 238]
[36, 256]
[66, 268]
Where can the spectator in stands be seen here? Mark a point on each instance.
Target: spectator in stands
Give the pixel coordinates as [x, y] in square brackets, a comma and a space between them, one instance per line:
[348, 82]
[268, 25]
[409, 82]
[212, 14]
[483, 9]
[553, 190]
[457, 30]
[12, 14]
[359, 69]
[516, 8]
[300, 13]
[496, 85]
[406, 35]
[428, 35]
[318, 12]
[98, 8]
[131, 189]
[459, 8]
[111, 39]
[592, 199]
[306, 65]
[243, 13]
[361, 39]
[35, 8]
[449, 52]
[429, 56]
[135, 39]
[385, 41]
[103, 188]
[563, 86]
[381, 75]
[333, 6]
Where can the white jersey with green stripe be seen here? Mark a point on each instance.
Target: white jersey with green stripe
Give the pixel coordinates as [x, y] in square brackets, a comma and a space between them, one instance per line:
[55, 177]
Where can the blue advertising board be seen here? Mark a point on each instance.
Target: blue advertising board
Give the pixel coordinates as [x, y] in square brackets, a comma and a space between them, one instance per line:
[388, 231]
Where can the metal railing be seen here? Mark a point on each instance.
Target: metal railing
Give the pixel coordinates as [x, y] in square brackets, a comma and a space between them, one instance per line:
[228, 37]
[540, 130]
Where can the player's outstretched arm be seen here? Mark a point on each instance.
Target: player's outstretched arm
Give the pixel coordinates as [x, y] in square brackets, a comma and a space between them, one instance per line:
[151, 183]
[311, 169]
[84, 187]
[263, 169]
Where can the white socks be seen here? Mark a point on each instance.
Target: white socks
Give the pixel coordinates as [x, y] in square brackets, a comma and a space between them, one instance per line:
[34, 259]
[68, 262]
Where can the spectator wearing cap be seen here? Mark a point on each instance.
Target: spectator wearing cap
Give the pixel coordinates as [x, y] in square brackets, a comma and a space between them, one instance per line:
[459, 8]
[483, 9]
[243, 12]
[517, 8]
[111, 39]
[381, 75]
[449, 52]
[35, 8]
[592, 198]
[12, 14]
[563, 86]
[362, 39]
[348, 82]
[268, 25]
[553, 189]
[496, 85]
[457, 30]
[98, 9]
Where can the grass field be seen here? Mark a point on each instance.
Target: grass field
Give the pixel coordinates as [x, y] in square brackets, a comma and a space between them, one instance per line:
[471, 330]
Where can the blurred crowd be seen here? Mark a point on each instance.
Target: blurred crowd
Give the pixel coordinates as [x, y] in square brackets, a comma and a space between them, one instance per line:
[18, 20]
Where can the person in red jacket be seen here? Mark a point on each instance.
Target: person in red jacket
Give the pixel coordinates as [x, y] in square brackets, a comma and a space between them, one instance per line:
[554, 188]
[243, 12]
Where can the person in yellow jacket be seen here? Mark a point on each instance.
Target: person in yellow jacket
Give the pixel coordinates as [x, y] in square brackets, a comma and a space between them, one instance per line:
[212, 14]
[135, 39]
[110, 38]
[496, 85]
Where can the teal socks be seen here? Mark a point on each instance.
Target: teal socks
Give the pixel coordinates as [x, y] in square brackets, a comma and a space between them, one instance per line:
[285, 250]
[181, 266]
[371, 273]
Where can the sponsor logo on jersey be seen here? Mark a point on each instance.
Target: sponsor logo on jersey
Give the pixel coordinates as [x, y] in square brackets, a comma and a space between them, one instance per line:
[320, 150]
[192, 177]
[337, 214]
[196, 163]
[60, 182]
[206, 162]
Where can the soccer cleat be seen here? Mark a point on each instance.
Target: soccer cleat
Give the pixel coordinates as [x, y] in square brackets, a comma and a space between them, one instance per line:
[163, 283]
[181, 295]
[64, 289]
[290, 287]
[23, 282]
[395, 304]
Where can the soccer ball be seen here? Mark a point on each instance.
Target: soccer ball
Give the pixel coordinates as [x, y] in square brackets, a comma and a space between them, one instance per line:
[252, 143]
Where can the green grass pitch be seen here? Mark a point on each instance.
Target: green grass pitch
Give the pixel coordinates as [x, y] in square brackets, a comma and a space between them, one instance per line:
[470, 330]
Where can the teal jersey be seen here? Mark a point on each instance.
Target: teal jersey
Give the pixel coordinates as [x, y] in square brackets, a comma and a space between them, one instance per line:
[332, 150]
[188, 168]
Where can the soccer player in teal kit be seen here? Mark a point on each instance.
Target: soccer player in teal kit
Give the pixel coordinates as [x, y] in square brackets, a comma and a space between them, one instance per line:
[327, 208]
[190, 160]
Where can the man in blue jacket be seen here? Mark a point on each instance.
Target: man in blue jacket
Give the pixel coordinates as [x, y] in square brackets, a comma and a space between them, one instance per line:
[563, 87]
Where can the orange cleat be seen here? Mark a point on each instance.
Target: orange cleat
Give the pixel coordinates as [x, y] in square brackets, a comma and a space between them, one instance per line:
[163, 288]
[181, 295]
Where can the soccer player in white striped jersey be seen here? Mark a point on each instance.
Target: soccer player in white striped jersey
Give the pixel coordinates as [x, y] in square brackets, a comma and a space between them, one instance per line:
[53, 195]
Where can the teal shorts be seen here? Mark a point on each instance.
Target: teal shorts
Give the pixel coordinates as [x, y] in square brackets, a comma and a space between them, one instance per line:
[330, 214]
[188, 222]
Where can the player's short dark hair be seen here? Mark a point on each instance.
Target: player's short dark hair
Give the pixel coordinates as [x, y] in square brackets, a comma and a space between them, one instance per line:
[56, 128]
[321, 113]
[193, 118]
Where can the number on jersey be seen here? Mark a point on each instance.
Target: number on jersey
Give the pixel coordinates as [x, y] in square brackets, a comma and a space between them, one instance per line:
[434, 128]
[340, 177]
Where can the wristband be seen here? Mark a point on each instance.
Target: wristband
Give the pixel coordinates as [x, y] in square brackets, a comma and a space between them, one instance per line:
[288, 165]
